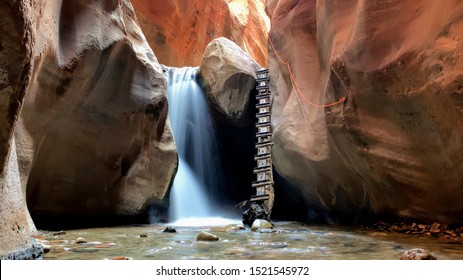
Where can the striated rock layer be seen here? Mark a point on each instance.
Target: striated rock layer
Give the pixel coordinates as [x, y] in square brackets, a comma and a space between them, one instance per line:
[93, 137]
[394, 145]
[179, 30]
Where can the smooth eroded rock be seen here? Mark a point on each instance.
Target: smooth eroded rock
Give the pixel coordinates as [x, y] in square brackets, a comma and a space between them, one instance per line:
[93, 135]
[206, 236]
[261, 224]
[393, 145]
[229, 76]
[81, 240]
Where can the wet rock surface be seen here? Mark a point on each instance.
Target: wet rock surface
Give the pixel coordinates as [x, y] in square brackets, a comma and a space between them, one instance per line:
[206, 236]
[417, 254]
[261, 224]
[170, 230]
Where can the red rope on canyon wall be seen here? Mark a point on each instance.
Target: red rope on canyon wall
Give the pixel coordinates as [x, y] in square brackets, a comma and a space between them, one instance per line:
[293, 80]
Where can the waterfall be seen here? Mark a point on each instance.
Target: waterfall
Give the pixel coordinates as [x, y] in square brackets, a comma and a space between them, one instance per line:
[194, 136]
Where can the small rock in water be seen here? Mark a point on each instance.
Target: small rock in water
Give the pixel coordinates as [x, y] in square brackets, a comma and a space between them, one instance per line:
[205, 236]
[46, 248]
[122, 258]
[80, 240]
[417, 254]
[170, 230]
[84, 250]
[236, 228]
[61, 232]
[57, 249]
[258, 224]
[143, 235]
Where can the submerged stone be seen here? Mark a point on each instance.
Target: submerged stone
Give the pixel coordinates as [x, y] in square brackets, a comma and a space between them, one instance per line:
[81, 240]
[205, 236]
[236, 228]
[84, 250]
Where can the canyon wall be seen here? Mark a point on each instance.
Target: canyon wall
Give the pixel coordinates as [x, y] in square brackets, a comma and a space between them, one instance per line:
[367, 107]
[16, 226]
[93, 139]
[179, 30]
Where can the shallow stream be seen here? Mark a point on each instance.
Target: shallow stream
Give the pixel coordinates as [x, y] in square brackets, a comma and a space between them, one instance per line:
[287, 241]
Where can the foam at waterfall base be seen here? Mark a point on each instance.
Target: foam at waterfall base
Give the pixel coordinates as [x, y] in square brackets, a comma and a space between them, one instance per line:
[201, 222]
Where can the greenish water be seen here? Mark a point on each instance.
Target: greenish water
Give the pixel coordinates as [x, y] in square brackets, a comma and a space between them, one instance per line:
[288, 241]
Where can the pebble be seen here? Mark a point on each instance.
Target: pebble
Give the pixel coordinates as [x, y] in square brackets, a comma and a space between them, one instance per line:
[81, 240]
[121, 258]
[205, 236]
[143, 235]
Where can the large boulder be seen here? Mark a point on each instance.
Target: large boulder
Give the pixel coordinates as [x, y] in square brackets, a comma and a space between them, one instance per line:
[94, 140]
[179, 30]
[229, 76]
[15, 60]
[368, 115]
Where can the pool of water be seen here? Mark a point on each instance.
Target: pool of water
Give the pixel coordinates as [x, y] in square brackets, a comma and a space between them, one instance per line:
[289, 241]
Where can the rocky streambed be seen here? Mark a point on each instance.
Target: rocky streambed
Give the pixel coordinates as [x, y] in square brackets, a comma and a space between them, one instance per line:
[285, 241]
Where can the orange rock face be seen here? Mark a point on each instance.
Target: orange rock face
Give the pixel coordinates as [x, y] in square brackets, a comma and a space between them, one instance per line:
[395, 143]
[178, 31]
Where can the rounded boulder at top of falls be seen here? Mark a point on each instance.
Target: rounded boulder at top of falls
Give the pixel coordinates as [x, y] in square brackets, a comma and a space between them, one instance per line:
[229, 76]
[367, 115]
[261, 224]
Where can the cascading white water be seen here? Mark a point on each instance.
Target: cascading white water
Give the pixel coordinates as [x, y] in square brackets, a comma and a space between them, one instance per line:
[196, 144]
